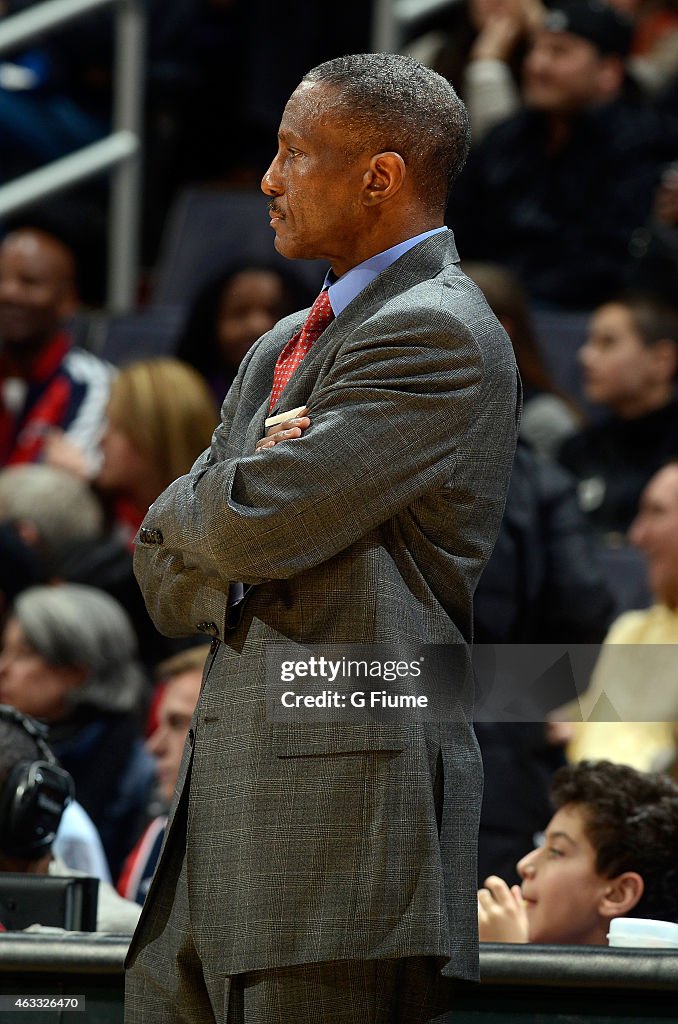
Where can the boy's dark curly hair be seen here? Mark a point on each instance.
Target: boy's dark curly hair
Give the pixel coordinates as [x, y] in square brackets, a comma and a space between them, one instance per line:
[631, 820]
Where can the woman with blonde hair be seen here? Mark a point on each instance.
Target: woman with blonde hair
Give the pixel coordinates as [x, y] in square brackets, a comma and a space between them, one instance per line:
[160, 417]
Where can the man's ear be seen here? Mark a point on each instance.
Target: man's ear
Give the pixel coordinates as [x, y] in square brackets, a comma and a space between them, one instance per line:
[666, 358]
[383, 178]
[68, 305]
[621, 894]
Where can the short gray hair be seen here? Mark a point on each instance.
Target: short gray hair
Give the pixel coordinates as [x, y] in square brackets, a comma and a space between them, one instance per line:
[393, 102]
[62, 508]
[77, 625]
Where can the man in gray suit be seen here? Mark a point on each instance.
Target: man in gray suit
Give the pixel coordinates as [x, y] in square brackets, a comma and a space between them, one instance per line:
[326, 871]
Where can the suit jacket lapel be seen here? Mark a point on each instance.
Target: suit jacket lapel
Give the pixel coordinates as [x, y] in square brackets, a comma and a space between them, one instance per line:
[420, 263]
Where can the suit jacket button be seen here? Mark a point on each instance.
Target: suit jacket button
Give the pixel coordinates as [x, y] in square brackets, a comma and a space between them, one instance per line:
[150, 535]
[210, 628]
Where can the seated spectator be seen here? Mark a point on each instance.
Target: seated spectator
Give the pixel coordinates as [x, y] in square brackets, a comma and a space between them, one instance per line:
[479, 45]
[45, 381]
[609, 851]
[51, 510]
[543, 582]
[69, 659]
[655, 532]
[62, 520]
[556, 191]
[28, 827]
[230, 313]
[180, 679]
[159, 418]
[548, 415]
[632, 697]
[629, 364]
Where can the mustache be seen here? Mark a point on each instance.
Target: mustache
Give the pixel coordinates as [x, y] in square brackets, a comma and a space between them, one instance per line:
[274, 210]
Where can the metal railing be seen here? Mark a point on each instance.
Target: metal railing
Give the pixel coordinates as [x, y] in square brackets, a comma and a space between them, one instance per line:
[521, 983]
[119, 152]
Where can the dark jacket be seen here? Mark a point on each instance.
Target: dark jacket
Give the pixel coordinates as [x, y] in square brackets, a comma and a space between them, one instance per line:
[563, 222]
[543, 583]
[615, 459]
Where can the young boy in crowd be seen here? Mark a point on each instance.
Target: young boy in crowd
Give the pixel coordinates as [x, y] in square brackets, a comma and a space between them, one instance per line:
[629, 363]
[609, 851]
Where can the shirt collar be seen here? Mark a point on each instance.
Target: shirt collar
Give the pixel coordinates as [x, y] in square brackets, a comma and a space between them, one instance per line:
[343, 290]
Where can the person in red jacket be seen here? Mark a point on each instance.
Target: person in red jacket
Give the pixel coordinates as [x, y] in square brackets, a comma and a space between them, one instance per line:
[45, 381]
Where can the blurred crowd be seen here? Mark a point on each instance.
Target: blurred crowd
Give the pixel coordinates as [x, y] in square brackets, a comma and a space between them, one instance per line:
[566, 217]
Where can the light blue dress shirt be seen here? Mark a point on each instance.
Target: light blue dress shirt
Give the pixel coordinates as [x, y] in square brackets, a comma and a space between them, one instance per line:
[344, 289]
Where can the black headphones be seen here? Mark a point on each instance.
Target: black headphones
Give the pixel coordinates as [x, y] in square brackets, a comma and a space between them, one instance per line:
[33, 797]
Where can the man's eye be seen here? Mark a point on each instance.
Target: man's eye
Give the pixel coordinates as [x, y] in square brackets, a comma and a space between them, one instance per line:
[554, 852]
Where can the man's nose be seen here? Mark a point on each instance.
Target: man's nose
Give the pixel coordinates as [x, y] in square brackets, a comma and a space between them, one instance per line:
[156, 741]
[271, 183]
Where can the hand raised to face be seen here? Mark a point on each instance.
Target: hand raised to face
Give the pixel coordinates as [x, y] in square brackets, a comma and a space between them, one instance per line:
[501, 912]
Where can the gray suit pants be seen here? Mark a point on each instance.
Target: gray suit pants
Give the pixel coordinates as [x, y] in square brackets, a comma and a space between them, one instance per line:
[168, 983]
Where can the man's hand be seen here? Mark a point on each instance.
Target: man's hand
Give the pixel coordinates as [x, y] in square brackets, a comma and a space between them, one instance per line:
[284, 430]
[502, 25]
[501, 912]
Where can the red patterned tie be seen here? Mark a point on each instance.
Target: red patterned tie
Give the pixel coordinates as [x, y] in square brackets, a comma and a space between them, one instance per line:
[318, 319]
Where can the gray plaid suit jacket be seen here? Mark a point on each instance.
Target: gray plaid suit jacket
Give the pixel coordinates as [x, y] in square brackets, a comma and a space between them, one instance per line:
[322, 842]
